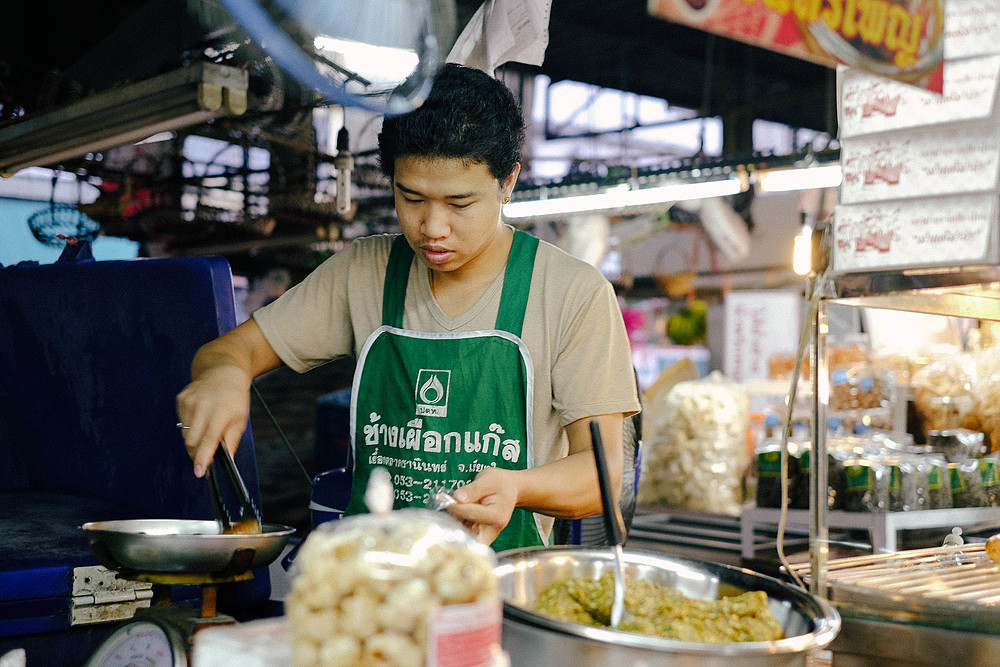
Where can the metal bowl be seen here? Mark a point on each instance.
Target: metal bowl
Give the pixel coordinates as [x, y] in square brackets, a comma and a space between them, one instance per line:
[810, 623]
[183, 546]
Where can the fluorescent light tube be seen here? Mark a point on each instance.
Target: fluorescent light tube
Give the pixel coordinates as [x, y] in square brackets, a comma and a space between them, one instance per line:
[124, 115]
[623, 198]
[807, 178]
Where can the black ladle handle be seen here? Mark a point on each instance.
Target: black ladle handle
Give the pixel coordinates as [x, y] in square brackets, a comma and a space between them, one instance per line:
[612, 515]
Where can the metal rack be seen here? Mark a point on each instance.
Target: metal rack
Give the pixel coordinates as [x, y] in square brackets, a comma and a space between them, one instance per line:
[705, 535]
[883, 527]
[968, 291]
[941, 578]
[937, 606]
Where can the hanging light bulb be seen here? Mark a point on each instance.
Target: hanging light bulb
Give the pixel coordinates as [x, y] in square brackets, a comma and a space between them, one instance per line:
[344, 164]
[802, 252]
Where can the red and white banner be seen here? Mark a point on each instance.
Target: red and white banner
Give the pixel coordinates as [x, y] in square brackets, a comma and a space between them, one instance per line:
[899, 39]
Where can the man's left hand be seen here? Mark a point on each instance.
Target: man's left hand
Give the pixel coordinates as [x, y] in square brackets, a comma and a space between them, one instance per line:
[486, 504]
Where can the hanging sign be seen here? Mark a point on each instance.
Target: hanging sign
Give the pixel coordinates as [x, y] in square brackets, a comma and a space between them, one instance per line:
[955, 230]
[942, 159]
[759, 324]
[899, 39]
[873, 104]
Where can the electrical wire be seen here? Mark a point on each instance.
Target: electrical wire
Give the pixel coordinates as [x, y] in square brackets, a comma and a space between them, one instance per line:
[793, 390]
[281, 433]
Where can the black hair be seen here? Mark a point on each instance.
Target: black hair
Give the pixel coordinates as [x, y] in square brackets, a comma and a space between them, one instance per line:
[468, 114]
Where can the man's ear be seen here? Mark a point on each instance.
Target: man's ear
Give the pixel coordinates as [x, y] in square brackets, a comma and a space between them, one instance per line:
[508, 183]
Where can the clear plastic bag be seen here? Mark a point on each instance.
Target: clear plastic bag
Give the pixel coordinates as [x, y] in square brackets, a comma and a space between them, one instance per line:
[857, 387]
[942, 393]
[697, 455]
[902, 482]
[989, 470]
[388, 589]
[987, 407]
[933, 484]
[866, 487]
[967, 489]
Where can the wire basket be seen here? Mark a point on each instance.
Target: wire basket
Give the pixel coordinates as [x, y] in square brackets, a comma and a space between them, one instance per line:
[59, 223]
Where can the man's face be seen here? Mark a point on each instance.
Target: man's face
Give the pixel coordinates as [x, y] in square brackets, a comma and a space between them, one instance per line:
[449, 210]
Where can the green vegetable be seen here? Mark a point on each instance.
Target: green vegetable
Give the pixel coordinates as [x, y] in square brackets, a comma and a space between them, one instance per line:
[689, 325]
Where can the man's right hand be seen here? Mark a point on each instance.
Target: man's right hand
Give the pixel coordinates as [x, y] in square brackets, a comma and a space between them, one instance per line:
[216, 405]
[214, 408]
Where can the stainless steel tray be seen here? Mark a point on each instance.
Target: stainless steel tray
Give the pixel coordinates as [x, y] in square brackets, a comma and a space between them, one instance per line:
[954, 587]
[183, 546]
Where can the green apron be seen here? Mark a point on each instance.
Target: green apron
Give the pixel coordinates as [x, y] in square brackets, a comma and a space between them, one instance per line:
[434, 409]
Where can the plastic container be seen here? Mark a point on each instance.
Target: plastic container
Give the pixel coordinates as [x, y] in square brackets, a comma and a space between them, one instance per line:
[957, 444]
[863, 485]
[902, 485]
[768, 462]
[933, 485]
[967, 488]
[989, 470]
[855, 388]
[799, 472]
[942, 393]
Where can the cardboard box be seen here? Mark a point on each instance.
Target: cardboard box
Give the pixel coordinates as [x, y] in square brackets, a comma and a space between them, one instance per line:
[932, 231]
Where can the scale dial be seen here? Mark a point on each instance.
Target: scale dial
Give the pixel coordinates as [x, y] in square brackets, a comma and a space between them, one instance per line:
[141, 644]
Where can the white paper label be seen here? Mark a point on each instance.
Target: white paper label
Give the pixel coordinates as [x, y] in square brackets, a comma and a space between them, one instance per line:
[940, 160]
[465, 635]
[971, 28]
[873, 104]
[913, 233]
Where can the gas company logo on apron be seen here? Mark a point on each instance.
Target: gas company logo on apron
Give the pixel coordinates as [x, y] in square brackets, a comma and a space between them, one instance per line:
[432, 392]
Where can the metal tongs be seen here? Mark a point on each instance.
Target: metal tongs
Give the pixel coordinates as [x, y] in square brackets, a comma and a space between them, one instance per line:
[248, 520]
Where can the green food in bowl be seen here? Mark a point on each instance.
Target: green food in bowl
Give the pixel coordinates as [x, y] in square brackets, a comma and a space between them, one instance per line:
[661, 611]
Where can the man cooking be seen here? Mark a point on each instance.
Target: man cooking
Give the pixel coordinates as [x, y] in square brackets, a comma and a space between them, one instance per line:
[482, 353]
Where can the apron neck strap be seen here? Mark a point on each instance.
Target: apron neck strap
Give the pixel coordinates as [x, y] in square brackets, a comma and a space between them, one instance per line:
[397, 275]
[513, 299]
[517, 283]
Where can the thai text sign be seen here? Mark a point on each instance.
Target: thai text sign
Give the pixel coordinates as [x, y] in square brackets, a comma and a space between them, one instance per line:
[758, 324]
[898, 39]
[936, 160]
[951, 230]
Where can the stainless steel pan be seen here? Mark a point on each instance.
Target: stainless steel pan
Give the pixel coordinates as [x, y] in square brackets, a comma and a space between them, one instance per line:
[183, 546]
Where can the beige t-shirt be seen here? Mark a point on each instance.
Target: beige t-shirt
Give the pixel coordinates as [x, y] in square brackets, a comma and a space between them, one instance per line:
[573, 330]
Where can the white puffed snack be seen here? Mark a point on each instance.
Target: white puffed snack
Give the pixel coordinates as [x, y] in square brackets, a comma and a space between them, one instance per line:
[696, 456]
[369, 589]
